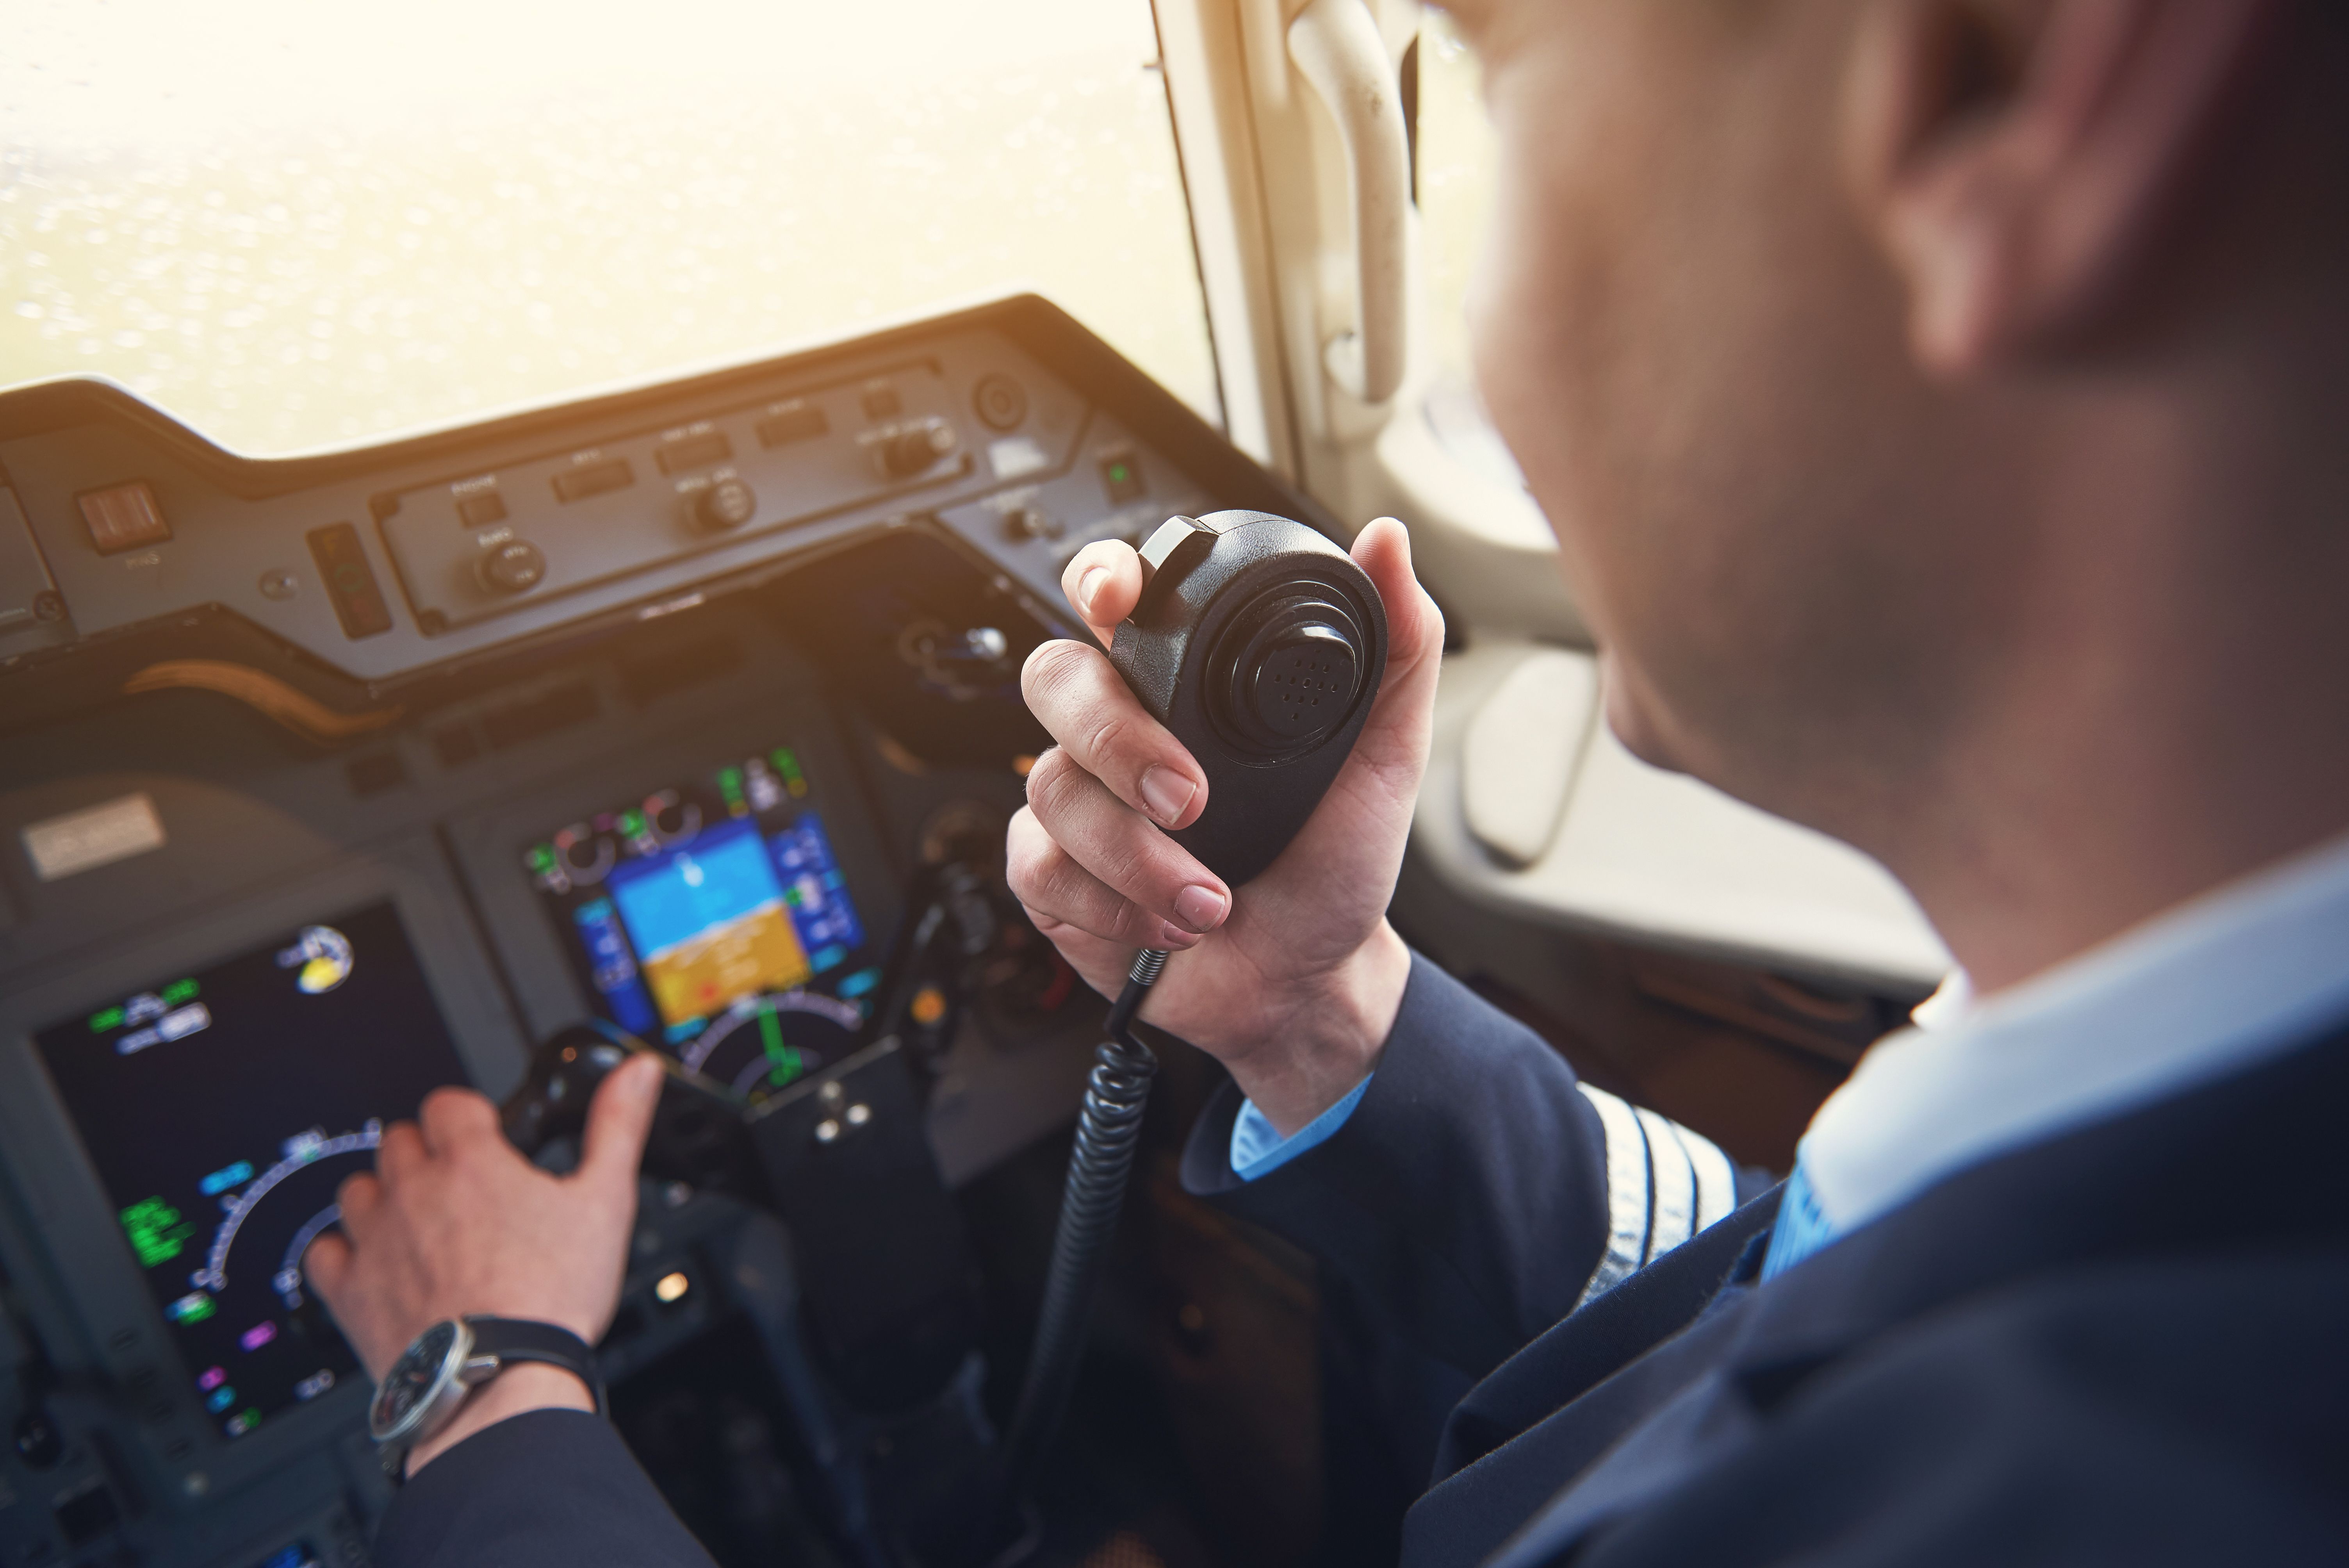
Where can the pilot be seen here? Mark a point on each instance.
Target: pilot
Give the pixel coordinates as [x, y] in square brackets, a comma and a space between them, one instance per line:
[1937, 404]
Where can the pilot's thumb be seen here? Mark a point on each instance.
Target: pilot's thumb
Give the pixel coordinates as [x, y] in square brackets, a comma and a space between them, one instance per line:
[617, 1120]
[1396, 732]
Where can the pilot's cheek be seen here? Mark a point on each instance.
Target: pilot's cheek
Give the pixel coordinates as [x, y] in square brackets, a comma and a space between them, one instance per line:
[1573, 311]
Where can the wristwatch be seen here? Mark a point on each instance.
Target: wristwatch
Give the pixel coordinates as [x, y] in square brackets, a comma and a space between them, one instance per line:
[423, 1389]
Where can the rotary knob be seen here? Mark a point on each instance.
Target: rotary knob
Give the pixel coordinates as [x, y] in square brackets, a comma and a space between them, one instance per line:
[1031, 523]
[726, 504]
[517, 566]
[905, 453]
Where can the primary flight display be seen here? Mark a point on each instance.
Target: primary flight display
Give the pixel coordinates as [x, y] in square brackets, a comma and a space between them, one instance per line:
[713, 917]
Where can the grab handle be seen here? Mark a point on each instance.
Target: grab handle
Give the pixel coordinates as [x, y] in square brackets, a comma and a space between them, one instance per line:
[1337, 47]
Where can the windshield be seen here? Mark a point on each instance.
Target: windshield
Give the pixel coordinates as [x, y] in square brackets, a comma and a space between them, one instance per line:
[298, 225]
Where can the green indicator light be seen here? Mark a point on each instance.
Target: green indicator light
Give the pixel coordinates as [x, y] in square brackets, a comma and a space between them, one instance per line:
[729, 782]
[178, 991]
[1119, 473]
[542, 859]
[787, 765]
[102, 1023]
[157, 1233]
[632, 823]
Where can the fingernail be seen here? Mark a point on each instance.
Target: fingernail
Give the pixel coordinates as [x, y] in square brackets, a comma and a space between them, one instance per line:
[1089, 584]
[1166, 793]
[1200, 908]
[1174, 939]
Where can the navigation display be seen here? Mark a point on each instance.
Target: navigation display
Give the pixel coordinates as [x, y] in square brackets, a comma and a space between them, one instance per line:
[713, 917]
[224, 1108]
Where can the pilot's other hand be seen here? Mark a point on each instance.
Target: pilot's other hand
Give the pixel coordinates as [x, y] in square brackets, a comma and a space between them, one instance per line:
[454, 1221]
[1295, 986]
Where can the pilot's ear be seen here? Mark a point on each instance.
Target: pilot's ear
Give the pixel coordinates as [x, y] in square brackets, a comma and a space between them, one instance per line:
[2018, 157]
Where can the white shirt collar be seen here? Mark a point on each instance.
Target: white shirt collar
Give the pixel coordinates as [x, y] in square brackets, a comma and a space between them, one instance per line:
[2210, 988]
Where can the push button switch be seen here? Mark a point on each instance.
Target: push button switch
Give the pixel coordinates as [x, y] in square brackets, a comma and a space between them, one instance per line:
[593, 479]
[698, 450]
[480, 510]
[350, 582]
[793, 422]
[123, 517]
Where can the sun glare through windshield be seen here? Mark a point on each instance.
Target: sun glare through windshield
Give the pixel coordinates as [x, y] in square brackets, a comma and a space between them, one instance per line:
[296, 225]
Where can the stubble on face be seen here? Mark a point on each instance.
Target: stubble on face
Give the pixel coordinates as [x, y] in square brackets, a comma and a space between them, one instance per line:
[1698, 356]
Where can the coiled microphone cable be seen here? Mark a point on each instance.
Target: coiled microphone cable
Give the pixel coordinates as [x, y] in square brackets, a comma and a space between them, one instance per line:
[1108, 1129]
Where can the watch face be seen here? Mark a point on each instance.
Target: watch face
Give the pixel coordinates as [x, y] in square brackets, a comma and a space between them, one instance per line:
[421, 1371]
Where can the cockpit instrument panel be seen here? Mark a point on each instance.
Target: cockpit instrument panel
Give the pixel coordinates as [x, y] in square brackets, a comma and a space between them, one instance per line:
[713, 916]
[333, 779]
[1008, 424]
[222, 1108]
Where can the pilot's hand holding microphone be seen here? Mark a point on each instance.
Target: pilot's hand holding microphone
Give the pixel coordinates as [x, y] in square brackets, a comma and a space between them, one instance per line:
[1293, 980]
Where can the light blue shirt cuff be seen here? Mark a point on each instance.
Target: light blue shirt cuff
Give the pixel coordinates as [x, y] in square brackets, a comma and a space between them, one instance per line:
[1258, 1149]
[1802, 1227]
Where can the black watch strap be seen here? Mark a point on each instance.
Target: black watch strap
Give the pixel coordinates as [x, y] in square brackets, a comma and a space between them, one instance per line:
[512, 1339]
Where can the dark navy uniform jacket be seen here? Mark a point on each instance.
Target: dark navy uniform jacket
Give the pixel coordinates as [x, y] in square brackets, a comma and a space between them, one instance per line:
[2126, 1343]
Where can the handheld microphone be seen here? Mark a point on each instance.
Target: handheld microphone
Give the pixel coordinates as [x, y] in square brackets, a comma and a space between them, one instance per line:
[1260, 646]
